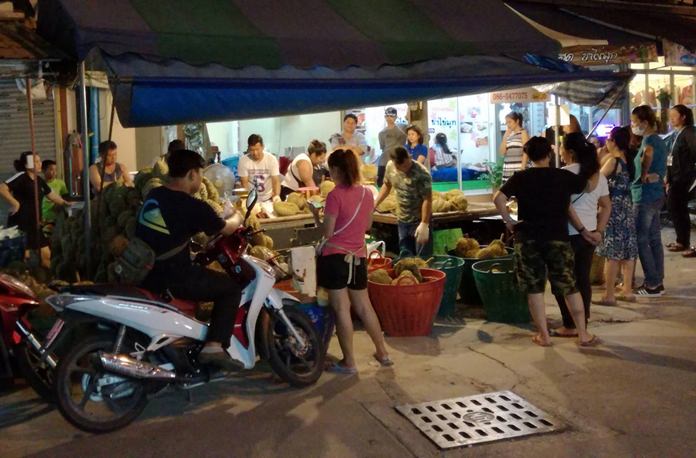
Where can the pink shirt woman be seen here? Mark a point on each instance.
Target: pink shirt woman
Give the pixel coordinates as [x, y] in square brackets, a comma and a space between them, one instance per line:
[342, 265]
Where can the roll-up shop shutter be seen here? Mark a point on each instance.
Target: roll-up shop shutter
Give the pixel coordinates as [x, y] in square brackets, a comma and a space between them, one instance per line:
[14, 126]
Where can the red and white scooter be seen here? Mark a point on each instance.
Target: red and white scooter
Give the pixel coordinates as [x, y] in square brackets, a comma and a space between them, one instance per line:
[133, 343]
[19, 354]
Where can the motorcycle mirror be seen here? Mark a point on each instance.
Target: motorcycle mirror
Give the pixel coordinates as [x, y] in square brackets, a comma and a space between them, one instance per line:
[250, 202]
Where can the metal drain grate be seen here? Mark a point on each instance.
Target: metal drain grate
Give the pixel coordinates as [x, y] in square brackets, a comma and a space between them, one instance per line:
[476, 419]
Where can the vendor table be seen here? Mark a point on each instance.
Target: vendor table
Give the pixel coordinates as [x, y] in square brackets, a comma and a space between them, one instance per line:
[481, 221]
[475, 211]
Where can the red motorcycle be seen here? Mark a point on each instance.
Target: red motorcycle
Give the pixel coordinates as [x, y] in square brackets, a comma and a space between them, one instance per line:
[18, 355]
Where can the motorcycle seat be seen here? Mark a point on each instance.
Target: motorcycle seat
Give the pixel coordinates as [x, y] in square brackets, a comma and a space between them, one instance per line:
[107, 290]
[185, 306]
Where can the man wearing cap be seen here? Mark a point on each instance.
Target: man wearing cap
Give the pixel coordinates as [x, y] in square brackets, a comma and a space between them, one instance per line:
[390, 137]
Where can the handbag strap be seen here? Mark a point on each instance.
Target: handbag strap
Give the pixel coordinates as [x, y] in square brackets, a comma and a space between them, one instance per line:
[171, 253]
[357, 210]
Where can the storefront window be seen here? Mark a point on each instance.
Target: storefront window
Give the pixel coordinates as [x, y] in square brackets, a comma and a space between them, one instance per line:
[684, 90]
[474, 128]
[442, 118]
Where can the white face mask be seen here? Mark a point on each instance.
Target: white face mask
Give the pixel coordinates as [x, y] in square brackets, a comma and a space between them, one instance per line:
[638, 130]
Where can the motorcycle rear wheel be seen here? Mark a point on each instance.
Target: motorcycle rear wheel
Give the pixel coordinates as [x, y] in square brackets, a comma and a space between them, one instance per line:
[81, 381]
[298, 365]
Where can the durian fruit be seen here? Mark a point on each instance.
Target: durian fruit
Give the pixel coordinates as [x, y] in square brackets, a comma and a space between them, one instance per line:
[149, 186]
[406, 278]
[211, 190]
[326, 187]
[297, 199]
[285, 209]
[141, 178]
[412, 264]
[467, 247]
[262, 252]
[380, 276]
[459, 203]
[495, 250]
[316, 198]
[451, 194]
[389, 204]
[442, 206]
[160, 169]
[267, 241]
[368, 172]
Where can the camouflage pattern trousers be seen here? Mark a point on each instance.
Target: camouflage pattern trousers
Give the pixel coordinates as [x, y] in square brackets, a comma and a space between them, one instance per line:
[535, 261]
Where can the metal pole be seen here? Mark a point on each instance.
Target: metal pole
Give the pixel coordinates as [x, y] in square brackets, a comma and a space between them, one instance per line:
[558, 131]
[37, 166]
[87, 212]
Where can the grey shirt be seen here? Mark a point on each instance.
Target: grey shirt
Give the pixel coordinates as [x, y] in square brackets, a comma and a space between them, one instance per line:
[389, 139]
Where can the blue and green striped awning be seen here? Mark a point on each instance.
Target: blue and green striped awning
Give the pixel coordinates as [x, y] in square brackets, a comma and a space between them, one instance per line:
[174, 61]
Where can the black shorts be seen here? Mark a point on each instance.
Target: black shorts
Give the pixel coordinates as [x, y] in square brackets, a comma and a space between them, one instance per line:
[333, 271]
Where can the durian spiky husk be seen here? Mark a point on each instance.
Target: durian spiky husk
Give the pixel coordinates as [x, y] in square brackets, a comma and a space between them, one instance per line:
[380, 276]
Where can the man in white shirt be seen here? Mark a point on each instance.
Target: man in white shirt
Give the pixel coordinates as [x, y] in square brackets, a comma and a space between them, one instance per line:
[260, 168]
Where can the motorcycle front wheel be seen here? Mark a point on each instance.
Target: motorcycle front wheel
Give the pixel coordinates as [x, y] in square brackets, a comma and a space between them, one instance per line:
[38, 374]
[298, 363]
[91, 398]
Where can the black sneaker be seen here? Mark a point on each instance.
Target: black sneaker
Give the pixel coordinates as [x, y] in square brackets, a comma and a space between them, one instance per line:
[651, 292]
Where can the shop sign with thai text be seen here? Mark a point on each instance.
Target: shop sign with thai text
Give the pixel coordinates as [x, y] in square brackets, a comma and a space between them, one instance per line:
[525, 95]
[608, 55]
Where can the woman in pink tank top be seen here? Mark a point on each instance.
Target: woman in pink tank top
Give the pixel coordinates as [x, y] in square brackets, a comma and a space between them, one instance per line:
[342, 265]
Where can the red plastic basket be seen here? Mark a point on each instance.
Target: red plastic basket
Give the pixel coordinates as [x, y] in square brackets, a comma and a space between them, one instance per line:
[375, 261]
[408, 310]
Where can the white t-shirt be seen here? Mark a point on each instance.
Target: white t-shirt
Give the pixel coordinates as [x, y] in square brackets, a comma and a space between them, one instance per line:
[585, 204]
[289, 179]
[260, 173]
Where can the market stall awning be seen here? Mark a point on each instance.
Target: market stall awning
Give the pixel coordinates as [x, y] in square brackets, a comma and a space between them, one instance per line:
[554, 17]
[178, 61]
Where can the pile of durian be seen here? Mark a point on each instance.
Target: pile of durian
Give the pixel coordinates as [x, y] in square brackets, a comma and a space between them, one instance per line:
[296, 202]
[406, 272]
[470, 248]
[450, 201]
[114, 218]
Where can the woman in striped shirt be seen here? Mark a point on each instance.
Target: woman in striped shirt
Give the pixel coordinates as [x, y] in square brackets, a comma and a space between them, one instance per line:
[511, 147]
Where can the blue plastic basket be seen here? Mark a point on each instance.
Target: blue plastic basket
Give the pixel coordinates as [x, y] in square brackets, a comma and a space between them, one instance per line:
[322, 318]
[11, 250]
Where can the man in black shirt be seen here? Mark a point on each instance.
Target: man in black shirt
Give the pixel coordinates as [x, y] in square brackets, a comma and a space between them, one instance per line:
[170, 216]
[542, 243]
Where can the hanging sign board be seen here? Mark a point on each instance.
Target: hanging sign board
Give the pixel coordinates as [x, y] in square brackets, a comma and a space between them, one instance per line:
[524, 95]
[608, 55]
[676, 54]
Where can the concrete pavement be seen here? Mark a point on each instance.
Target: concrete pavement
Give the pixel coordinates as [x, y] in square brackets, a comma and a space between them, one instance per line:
[635, 395]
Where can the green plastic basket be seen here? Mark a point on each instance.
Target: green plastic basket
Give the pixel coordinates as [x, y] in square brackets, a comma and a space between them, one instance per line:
[452, 266]
[467, 288]
[502, 299]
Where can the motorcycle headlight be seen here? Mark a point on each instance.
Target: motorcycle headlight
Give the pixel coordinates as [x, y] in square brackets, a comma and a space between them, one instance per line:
[60, 301]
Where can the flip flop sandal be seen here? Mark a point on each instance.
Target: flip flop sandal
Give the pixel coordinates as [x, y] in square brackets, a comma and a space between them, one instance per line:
[690, 253]
[626, 298]
[677, 247]
[384, 362]
[593, 342]
[537, 340]
[605, 302]
[671, 245]
[338, 368]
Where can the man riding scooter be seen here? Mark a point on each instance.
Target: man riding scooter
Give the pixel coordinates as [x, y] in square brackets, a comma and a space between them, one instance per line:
[170, 216]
